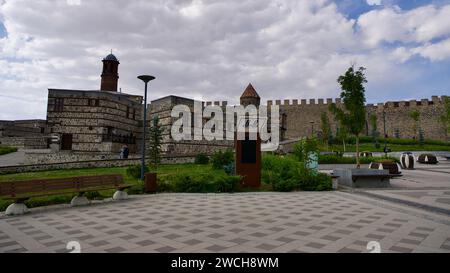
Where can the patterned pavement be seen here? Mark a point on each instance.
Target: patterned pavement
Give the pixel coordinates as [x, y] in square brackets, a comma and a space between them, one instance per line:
[244, 222]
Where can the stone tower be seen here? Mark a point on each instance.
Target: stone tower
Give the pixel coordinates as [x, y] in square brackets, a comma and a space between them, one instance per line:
[250, 96]
[110, 73]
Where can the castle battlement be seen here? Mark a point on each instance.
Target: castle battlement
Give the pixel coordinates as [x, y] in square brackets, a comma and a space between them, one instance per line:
[296, 102]
[390, 104]
[435, 100]
[218, 103]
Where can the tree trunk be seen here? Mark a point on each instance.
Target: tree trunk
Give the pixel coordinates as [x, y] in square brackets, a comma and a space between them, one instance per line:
[343, 144]
[357, 152]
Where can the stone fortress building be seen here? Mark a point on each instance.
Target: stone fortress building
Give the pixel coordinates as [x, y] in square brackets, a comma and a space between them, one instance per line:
[98, 123]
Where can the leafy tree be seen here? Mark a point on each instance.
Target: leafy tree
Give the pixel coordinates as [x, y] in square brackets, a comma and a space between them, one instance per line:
[155, 141]
[304, 149]
[342, 135]
[326, 128]
[415, 116]
[445, 118]
[352, 117]
[421, 137]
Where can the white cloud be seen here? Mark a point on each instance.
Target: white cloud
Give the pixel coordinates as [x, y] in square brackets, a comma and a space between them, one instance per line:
[391, 24]
[374, 2]
[210, 49]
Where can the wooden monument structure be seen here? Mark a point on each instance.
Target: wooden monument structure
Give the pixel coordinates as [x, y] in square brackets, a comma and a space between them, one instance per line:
[248, 152]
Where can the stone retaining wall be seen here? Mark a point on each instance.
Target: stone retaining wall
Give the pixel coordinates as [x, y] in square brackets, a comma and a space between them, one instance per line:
[90, 164]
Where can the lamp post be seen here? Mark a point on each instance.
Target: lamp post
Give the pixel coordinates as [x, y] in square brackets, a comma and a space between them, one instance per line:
[145, 79]
[385, 134]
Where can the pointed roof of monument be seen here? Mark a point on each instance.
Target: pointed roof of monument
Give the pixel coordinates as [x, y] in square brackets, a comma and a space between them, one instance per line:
[250, 92]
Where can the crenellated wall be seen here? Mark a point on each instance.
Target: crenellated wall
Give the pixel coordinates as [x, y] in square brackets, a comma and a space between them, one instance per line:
[303, 117]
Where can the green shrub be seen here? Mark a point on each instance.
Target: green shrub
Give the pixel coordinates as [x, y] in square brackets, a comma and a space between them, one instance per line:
[287, 174]
[164, 186]
[135, 171]
[6, 150]
[227, 183]
[202, 159]
[230, 169]
[92, 195]
[201, 182]
[315, 182]
[136, 189]
[221, 159]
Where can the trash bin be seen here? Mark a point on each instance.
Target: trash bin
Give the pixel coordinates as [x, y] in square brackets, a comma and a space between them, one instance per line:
[150, 182]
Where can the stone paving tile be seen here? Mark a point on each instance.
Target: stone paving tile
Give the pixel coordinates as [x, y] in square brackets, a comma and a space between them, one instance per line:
[257, 222]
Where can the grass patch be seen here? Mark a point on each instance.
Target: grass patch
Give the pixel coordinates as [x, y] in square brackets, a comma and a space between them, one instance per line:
[167, 177]
[7, 150]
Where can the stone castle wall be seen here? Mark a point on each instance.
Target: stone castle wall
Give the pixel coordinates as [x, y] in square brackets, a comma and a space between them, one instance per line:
[300, 114]
[95, 119]
[163, 108]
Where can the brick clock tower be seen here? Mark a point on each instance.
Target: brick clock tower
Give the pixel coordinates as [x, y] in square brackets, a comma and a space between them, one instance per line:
[248, 152]
[110, 73]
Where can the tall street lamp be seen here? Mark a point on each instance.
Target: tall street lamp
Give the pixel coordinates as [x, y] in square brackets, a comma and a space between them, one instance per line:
[145, 79]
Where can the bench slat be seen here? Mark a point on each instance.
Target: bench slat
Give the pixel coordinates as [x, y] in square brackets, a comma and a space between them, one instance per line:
[74, 184]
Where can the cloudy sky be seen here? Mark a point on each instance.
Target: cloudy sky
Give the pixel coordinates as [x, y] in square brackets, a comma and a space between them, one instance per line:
[211, 49]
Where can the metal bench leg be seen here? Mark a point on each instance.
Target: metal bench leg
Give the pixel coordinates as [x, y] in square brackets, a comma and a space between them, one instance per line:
[120, 195]
[16, 208]
[79, 200]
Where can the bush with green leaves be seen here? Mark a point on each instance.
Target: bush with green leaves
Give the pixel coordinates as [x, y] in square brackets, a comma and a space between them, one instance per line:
[222, 158]
[6, 150]
[135, 171]
[205, 182]
[315, 181]
[333, 159]
[202, 159]
[230, 169]
[287, 174]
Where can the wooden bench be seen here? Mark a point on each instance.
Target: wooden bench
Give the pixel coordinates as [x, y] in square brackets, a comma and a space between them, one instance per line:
[20, 191]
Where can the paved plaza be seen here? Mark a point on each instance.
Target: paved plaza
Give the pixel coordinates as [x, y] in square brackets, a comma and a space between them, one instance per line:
[412, 216]
[263, 222]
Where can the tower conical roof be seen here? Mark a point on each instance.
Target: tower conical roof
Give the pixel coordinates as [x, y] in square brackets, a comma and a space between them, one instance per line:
[250, 92]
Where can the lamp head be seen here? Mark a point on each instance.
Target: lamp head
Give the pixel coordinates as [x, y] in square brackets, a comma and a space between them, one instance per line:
[146, 78]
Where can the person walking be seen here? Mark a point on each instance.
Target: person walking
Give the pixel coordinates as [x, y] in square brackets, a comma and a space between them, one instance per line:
[126, 152]
[121, 153]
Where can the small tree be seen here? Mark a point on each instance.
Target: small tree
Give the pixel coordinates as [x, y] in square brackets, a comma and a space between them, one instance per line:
[155, 142]
[305, 150]
[326, 129]
[415, 116]
[352, 117]
[342, 135]
[445, 118]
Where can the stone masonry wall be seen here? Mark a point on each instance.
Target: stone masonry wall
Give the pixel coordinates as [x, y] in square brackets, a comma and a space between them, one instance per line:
[89, 116]
[163, 108]
[301, 113]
